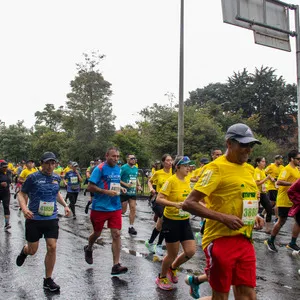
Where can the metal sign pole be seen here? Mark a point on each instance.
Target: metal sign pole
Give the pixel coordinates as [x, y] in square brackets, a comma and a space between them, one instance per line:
[181, 73]
[297, 25]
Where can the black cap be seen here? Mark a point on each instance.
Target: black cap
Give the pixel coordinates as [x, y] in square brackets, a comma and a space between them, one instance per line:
[29, 160]
[74, 164]
[48, 156]
[204, 161]
[3, 164]
[241, 133]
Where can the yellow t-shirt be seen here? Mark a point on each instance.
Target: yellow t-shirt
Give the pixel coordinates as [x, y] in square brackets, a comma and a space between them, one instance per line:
[229, 187]
[197, 172]
[176, 190]
[66, 170]
[250, 168]
[274, 171]
[10, 166]
[159, 178]
[289, 174]
[258, 176]
[24, 174]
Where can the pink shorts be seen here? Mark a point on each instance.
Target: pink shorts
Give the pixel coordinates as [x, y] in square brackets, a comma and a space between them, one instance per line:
[230, 261]
[113, 218]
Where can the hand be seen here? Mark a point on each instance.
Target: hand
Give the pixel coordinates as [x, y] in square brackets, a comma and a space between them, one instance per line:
[4, 184]
[123, 190]
[179, 205]
[153, 192]
[259, 222]
[139, 188]
[233, 222]
[111, 193]
[67, 211]
[28, 214]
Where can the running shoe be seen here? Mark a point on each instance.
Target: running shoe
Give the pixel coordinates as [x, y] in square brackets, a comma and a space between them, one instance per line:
[172, 275]
[118, 270]
[159, 250]
[150, 247]
[194, 287]
[275, 220]
[270, 245]
[21, 258]
[50, 285]
[163, 283]
[132, 231]
[293, 247]
[88, 255]
[7, 226]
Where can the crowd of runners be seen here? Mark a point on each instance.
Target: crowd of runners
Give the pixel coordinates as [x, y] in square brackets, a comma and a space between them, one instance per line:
[231, 195]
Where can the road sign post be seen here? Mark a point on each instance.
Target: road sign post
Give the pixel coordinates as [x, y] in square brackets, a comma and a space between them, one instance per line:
[270, 23]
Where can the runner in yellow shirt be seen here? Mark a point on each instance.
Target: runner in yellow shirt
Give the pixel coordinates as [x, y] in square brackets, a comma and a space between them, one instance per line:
[176, 224]
[261, 179]
[274, 170]
[286, 178]
[27, 171]
[158, 180]
[231, 213]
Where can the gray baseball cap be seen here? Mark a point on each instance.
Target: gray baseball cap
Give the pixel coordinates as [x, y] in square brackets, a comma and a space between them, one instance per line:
[241, 133]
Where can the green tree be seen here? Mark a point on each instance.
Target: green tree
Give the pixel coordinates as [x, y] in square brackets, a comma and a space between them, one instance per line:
[90, 110]
[15, 142]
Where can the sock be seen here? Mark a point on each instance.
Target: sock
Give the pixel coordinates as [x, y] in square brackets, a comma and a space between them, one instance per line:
[6, 221]
[130, 226]
[154, 234]
[293, 241]
[272, 238]
[195, 280]
[161, 238]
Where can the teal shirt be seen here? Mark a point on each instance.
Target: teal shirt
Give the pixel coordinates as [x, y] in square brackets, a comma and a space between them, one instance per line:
[129, 175]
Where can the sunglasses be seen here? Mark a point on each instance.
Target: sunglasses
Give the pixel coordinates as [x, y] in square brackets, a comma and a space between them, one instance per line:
[298, 158]
[132, 158]
[246, 145]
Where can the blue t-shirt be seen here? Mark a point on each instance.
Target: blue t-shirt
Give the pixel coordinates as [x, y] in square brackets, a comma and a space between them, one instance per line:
[73, 185]
[108, 178]
[129, 175]
[42, 191]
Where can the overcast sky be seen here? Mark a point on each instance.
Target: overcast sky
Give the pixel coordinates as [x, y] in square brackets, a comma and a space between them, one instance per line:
[41, 42]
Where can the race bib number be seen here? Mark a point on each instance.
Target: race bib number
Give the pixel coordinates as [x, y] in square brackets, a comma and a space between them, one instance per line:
[115, 187]
[250, 210]
[183, 214]
[74, 180]
[46, 209]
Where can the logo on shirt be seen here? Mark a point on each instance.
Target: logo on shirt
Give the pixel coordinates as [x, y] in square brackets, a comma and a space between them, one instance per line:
[206, 177]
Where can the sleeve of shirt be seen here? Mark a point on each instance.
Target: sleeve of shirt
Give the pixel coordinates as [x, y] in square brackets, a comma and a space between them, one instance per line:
[284, 175]
[209, 179]
[256, 175]
[268, 170]
[166, 188]
[96, 176]
[26, 186]
[22, 174]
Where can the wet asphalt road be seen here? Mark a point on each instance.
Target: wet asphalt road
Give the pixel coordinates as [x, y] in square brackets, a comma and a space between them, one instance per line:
[277, 273]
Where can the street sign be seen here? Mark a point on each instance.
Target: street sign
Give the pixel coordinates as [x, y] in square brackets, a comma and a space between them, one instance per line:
[268, 19]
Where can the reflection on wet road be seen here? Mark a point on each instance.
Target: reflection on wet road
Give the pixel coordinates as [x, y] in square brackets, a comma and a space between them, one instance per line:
[277, 276]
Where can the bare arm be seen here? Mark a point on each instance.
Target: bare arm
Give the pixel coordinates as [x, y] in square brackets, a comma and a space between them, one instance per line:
[163, 200]
[283, 183]
[61, 201]
[191, 204]
[23, 200]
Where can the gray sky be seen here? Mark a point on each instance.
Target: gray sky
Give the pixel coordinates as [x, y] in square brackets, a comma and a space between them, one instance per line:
[43, 40]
